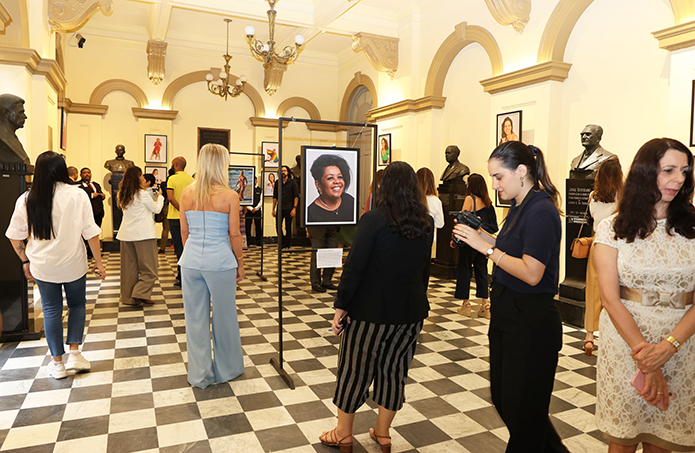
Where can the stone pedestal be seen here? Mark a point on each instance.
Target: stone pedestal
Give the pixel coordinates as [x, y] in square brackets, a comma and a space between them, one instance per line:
[115, 182]
[452, 194]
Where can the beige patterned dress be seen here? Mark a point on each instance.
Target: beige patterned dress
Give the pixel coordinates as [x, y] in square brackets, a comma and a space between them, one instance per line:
[663, 263]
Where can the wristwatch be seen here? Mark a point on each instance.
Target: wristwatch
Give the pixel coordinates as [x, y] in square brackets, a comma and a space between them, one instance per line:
[676, 344]
[489, 252]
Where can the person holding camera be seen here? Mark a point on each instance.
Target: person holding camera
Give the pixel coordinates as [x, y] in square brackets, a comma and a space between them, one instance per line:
[525, 328]
[477, 202]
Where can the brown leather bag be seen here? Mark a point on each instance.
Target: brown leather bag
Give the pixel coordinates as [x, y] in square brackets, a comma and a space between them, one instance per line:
[581, 245]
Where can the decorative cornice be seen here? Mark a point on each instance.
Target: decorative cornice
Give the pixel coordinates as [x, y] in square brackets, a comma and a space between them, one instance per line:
[68, 15]
[155, 114]
[257, 121]
[156, 56]
[83, 109]
[405, 107]
[676, 37]
[381, 51]
[5, 19]
[511, 12]
[36, 65]
[551, 70]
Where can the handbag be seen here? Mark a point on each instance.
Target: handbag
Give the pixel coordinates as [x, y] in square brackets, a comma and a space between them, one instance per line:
[581, 245]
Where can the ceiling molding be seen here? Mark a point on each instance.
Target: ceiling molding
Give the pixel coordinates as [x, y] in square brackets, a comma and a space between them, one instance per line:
[36, 65]
[154, 114]
[405, 107]
[83, 109]
[5, 19]
[70, 16]
[559, 28]
[257, 121]
[677, 37]
[551, 70]
[129, 87]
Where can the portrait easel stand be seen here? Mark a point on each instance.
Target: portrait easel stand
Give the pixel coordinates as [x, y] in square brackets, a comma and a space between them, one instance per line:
[278, 363]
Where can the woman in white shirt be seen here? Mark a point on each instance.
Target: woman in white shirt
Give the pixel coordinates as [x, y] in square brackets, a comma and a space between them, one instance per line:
[426, 180]
[138, 238]
[53, 217]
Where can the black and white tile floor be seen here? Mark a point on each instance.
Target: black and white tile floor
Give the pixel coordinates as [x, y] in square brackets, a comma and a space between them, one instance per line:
[137, 399]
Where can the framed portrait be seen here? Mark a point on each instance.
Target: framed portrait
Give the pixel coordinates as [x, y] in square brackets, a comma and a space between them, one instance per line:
[501, 203]
[508, 127]
[159, 173]
[329, 185]
[385, 146]
[270, 154]
[155, 148]
[269, 178]
[692, 117]
[209, 135]
[241, 181]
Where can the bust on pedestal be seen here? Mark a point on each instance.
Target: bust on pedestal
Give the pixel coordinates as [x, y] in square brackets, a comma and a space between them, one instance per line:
[117, 167]
[12, 117]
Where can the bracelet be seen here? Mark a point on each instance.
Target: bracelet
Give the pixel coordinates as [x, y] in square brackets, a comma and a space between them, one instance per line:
[676, 344]
[25, 262]
[500, 258]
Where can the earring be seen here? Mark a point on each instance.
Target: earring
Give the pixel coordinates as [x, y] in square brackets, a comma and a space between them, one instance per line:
[522, 181]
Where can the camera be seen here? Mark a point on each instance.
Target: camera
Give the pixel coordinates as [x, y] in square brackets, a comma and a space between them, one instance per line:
[466, 218]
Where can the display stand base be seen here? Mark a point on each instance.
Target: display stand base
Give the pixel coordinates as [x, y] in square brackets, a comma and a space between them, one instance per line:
[20, 336]
[261, 276]
[571, 311]
[283, 374]
[443, 270]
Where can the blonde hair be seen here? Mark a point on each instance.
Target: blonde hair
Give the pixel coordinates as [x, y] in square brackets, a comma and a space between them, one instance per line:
[211, 175]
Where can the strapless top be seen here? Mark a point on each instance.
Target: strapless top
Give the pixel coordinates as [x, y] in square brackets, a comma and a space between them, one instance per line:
[207, 247]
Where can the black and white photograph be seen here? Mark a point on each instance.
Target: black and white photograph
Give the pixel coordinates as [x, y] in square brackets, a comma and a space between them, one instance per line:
[329, 180]
[509, 127]
[155, 148]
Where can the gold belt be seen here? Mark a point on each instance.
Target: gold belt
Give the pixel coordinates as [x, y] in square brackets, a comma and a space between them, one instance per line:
[678, 299]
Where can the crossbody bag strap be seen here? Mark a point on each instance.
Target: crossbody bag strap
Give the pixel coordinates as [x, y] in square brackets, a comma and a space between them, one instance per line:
[583, 220]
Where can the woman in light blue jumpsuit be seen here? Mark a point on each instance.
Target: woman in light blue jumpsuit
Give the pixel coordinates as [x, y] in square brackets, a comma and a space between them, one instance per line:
[211, 266]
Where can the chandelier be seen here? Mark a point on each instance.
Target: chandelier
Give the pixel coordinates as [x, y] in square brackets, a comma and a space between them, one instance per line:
[274, 63]
[221, 87]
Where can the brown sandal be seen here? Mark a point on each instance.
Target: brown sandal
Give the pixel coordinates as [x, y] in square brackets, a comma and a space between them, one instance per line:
[484, 311]
[464, 310]
[588, 347]
[345, 447]
[385, 448]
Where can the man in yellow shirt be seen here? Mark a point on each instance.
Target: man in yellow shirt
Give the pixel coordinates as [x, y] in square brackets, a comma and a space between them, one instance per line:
[175, 185]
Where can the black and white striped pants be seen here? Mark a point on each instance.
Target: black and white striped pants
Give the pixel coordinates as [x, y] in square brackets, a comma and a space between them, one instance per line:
[381, 353]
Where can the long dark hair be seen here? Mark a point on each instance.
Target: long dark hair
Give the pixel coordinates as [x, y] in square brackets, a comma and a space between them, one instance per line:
[513, 154]
[50, 169]
[477, 187]
[608, 186]
[402, 202]
[426, 180]
[129, 187]
[641, 193]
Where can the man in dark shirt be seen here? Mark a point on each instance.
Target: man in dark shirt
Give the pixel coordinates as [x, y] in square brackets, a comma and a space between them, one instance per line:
[96, 198]
[253, 216]
[290, 200]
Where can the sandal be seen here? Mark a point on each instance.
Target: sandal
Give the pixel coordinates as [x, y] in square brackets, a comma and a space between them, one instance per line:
[345, 447]
[385, 448]
[588, 347]
[464, 311]
[484, 311]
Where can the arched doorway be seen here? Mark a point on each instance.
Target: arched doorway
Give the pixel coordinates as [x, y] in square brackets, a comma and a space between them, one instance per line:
[361, 137]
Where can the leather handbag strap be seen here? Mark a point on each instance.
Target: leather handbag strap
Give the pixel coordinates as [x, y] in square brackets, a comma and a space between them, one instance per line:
[583, 220]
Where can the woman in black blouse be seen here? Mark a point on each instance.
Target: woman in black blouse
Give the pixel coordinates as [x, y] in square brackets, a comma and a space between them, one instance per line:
[525, 329]
[383, 297]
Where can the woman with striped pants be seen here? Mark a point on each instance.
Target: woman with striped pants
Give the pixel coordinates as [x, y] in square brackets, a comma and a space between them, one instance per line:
[382, 303]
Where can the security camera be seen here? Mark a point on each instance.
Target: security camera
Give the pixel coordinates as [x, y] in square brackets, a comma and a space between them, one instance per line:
[80, 40]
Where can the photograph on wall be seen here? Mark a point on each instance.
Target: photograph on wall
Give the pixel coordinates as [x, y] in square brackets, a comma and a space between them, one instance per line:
[210, 135]
[329, 185]
[509, 127]
[384, 150]
[270, 154]
[269, 178]
[501, 203]
[155, 148]
[241, 181]
[159, 173]
[692, 117]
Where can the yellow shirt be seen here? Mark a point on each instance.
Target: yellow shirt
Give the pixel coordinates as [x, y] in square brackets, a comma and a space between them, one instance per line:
[177, 183]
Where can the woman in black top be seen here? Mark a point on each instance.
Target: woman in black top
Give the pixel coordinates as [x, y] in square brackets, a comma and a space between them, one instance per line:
[332, 177]
[525, 329]
[383, 297]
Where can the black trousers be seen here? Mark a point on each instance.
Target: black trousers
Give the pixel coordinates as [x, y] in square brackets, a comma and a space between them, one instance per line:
[98, 221]
[322, 237]
[468, 257]
[256, 220]
[287, 236]
[525, 338]
[175, 229]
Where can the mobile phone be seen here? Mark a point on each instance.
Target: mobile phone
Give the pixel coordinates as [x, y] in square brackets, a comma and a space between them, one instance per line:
[638, 381]
[343, 323]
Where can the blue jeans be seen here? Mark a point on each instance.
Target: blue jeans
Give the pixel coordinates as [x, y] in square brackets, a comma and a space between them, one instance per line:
[52, 301]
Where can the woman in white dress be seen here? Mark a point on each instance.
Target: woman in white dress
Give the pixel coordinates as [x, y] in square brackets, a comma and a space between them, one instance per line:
[646, 273]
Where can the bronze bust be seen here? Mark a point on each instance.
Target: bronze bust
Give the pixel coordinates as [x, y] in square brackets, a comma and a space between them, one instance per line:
[12, 117]
[119, 164]
[585, 165]
[455, 171]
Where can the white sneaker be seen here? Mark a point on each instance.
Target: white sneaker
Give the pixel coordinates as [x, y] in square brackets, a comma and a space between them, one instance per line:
[77, 363]
[57, 370]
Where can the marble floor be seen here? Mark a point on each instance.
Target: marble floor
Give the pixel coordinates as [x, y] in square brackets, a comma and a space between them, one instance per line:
[137, 399]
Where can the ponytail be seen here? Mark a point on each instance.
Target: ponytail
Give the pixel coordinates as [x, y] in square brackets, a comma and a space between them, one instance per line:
[542, 179]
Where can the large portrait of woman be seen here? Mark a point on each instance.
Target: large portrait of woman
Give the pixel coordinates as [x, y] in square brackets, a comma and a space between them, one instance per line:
[509, 127]
[329, 180]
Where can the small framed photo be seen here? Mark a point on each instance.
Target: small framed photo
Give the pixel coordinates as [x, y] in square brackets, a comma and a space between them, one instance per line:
[155, 148]
[269, 178]
[159, 173]
[330, 179]
[692, 117]
[270, 154]
[501, 203]
[241, 181]
[384, 150]
[509, 127]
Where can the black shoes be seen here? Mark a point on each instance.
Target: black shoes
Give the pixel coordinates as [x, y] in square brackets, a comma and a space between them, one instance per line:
[330, 286]
[161, 252]
[318, 288]
[177, 284]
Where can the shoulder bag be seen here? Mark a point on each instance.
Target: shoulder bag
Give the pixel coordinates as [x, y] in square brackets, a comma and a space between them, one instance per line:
[581, 245]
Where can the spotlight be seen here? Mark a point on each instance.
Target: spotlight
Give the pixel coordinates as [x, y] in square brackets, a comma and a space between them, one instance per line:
[80, 40]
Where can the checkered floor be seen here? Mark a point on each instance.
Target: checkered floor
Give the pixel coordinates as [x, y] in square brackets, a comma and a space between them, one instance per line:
[137, 399]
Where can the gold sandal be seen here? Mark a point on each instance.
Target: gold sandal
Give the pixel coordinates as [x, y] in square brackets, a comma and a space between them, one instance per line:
[385, 448]
[345, 447]
[464, 311]
[484, 311]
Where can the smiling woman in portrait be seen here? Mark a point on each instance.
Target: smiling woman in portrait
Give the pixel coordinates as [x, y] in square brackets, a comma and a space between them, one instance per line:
[332, 177]
[508, 134]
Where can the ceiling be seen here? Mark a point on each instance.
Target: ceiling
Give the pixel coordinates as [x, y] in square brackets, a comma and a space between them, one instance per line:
[327, 25]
